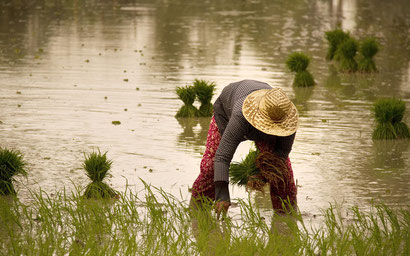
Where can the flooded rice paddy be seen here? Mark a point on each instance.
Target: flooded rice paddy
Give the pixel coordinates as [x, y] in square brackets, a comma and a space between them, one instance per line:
[67, 71]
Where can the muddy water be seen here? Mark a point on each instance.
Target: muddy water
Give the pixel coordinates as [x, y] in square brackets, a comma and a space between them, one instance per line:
[68, 71]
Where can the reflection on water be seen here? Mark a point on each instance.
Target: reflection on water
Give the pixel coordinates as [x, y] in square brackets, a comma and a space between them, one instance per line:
[70, 68]
[192, 136]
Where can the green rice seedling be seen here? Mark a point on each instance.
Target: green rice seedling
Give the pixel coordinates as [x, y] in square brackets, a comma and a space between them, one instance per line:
[97, 167]
[335, 38]
[298, 62]
[11, 164]
[388, 114]
[204, 91]
[368, 49]
[154, 222]
[346, 53]
[187, 95]
[240, 172]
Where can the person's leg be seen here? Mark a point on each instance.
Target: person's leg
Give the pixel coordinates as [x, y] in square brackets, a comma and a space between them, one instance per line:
[204, 184]
[283, 193]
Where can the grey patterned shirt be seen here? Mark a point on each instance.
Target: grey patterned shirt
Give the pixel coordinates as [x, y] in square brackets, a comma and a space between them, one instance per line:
[234, 128]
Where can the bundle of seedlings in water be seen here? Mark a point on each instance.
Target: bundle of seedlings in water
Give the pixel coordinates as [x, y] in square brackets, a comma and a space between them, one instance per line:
[335, 38]
[298, 62]
[345, 54]
[388, 114]
[187, 95]
[259, 169]
[368, 50]
[11, 164]
[204, 91]
[97, 167]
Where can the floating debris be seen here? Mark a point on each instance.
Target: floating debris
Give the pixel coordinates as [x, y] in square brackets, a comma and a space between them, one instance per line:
[116, 122]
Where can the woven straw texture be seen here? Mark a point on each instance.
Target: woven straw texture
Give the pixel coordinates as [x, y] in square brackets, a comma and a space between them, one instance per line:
[271, 111]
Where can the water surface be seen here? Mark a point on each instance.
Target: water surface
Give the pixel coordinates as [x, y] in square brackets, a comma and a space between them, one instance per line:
[68, 70]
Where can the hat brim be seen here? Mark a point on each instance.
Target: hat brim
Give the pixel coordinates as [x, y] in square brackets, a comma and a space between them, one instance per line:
[262, 122]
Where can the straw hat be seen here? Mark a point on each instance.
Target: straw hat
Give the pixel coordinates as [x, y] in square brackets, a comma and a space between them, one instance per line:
[271, 111]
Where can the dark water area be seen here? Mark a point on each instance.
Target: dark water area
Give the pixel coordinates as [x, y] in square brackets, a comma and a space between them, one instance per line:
[70, 68]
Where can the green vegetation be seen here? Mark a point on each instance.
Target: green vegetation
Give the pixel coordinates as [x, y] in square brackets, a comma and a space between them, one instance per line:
[11, 164]
[204, 91]
[343, 48]
[335, 38]
[187, 95]
[368, 50]
[258, 169]
[240, 172]
[298, 62]
[345, 54]
[97, 167]
[388, 114]
[153, 222]
[116, 122]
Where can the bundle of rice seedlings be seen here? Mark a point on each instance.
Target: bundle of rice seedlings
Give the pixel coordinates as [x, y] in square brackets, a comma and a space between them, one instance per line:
[11, 164]
[388, 114]
[298, 62]
[258, 169]
[334, 38]
[204, 91]
[273, 168]
[97, 167]
[187, 95]
[368, 49]
[241, 171]
[346, 53]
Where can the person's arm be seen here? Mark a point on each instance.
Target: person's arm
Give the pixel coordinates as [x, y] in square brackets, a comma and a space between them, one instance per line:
[233, 135]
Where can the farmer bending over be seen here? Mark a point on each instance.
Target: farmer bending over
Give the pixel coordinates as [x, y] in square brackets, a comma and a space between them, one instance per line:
[248, 110]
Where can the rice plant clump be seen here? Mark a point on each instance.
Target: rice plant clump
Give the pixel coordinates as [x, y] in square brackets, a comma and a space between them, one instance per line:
[204, 91]
[97, 166]
[346, 53]
[258, 169]
[298, 62]
[11, 164]
[241, 171]
[187, 95]
[388, 114]
[335, 38]
[368, 49]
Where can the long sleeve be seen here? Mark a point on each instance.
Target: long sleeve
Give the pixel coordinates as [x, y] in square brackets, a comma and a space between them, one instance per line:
[233, 135]
[222, 191]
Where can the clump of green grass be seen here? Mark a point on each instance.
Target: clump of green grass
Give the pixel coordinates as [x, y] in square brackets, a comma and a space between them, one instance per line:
[368, 49]
[388, 114]
[335, 38]
[154, 222]
[241, 171]
[259, 169]
[97, 167]
[346, 53]
[187, 95]
[204, 91]
[298, 62]
[11, 164]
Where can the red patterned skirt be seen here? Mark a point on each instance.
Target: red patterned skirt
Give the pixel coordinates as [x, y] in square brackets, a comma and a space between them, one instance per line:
[204, 184]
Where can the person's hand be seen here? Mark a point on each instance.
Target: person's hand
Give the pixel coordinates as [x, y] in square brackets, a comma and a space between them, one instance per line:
[221, 207]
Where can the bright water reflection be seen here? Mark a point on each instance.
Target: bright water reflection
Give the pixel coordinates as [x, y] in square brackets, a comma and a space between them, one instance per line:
[67, 71]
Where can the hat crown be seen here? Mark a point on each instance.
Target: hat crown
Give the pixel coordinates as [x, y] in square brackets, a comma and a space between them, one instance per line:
[275, 104]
